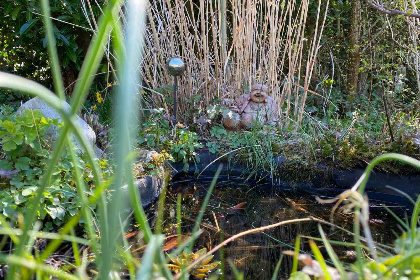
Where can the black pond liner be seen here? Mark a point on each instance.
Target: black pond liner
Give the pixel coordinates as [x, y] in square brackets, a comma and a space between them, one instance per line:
[326, 183]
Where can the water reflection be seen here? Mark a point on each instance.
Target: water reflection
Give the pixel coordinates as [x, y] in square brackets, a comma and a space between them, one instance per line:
[237, 205]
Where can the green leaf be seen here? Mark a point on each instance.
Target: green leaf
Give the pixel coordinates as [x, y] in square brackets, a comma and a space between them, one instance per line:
[18, 139]
[17, 181]
[48, 225]
[73, 211]
[9, 211]
[56, 201]
[19, 198]
[5, 164]
[44, 120]
[15, 12]
[56, 212]
[299, 276]
[9, 146]
[9, 126]
[29, 190]
[36, 146]
[65, 40]
[72, 55]
[27, 26]
[23, 163]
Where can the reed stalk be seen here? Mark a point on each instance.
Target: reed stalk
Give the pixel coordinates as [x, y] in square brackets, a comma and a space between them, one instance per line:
[229, 44]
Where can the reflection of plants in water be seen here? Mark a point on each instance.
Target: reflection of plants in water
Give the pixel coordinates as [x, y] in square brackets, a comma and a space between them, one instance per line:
[375, 263]
[201, 270]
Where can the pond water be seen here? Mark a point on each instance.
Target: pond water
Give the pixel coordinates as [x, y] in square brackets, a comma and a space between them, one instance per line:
[237, 205]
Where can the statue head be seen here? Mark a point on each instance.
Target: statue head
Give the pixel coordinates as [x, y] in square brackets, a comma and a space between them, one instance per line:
[258, 93]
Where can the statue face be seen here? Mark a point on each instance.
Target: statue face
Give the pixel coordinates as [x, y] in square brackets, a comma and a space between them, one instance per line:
[258, 93]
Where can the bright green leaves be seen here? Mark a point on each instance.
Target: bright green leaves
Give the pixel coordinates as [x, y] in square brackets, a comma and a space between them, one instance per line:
[218, 131]
[25, 129]
[25, 148]
[29, 191]
[9, 126]
[22, 163]
[180, 143]
[56, 212]
[184, 145]
[9, 146]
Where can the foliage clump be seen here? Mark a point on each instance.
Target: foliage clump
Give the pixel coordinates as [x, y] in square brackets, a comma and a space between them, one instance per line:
[26, 142]
[176, 144]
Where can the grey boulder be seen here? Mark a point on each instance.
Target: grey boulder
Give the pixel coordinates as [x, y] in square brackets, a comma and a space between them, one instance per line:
[149, 188]
[49, 112]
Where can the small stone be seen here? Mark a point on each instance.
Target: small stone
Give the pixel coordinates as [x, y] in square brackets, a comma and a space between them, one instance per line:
[351, 255]
[146, 156]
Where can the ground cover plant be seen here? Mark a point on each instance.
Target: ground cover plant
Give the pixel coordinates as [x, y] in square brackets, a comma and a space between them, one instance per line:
[26, 141]
[53, 187]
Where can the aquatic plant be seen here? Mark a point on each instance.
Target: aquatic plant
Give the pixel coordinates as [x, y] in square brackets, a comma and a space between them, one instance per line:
[199, 270]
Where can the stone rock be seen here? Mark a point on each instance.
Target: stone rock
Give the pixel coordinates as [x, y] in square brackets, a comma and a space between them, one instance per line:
[146, 156]
[48, 112]
[149, 188]
[101, 131]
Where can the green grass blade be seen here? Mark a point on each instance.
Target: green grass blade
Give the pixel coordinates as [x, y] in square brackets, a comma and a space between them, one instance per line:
[150, 256]
[179, 218]
[205, 202]
[125, 129]
[320, 259]
[414, 221]
[75, 248]
[296, 254]
[238, 275]
[277, 269]
[356, 230]
[81, 190]
[52, 50]
[332, 254]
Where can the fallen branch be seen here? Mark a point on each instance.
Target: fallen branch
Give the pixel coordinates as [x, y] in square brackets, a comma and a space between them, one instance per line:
[391, 12]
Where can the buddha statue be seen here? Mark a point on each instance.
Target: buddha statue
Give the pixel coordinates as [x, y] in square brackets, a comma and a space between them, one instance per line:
[256, 107]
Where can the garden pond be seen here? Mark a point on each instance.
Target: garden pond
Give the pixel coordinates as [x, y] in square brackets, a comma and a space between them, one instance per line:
[238, 204]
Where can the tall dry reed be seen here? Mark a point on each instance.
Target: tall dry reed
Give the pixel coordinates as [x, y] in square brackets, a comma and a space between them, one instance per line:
[229, 44]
